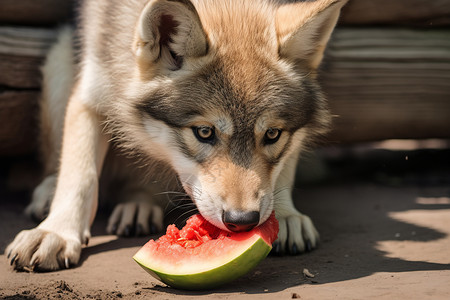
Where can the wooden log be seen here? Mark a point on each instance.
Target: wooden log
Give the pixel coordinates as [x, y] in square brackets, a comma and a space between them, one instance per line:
[26, 41]
[20, 71]
[18, 114]
[381, 83]
[356, 12]
[35, 12]
[388, 83]
[22, 51]
[397, 12]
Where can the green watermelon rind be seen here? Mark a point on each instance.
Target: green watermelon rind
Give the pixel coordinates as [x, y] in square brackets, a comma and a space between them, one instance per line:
[217, 276]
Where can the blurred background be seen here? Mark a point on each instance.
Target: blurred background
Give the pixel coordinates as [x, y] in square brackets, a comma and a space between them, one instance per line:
[386, 74]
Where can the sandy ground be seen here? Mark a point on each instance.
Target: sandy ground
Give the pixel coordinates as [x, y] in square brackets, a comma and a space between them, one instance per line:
[385, 234]
[377, 242]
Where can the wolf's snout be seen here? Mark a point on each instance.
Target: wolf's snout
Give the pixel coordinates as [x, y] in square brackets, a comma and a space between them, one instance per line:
[236, 220]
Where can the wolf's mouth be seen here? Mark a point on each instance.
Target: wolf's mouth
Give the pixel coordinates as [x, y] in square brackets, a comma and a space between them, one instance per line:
[207, 209]
[233, 220]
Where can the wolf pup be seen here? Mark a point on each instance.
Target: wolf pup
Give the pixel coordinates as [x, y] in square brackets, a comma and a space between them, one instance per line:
[221, 91]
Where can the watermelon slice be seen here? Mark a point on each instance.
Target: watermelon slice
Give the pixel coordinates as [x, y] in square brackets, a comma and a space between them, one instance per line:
[202, 256]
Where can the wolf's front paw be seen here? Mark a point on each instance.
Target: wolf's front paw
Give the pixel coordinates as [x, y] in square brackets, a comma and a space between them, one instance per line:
[297, 234]
[135, 218]
[42, 250]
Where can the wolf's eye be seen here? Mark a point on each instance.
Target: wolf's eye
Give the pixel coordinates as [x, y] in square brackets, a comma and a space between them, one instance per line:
[204, 134]
[272, 136]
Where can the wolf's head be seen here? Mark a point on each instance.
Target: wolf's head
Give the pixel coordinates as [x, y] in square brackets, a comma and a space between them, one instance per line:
[227, 94]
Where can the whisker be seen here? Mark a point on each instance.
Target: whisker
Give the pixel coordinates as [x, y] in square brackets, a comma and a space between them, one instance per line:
[180, 207]
[170, 193]
[278, 191]
[180, 198]
[189, 213]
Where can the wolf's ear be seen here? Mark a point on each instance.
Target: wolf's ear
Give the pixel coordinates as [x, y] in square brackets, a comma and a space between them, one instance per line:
[304, 28]
[168, 31]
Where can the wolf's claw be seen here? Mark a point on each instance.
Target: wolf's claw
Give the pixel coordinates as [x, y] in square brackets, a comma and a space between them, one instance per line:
[127, 231]
[294, 250]
[139, 230]
[308, 246]
[276, 248]
[135, 218]
[44, 250]
[297, 234]
[153, 229]
[14, 259]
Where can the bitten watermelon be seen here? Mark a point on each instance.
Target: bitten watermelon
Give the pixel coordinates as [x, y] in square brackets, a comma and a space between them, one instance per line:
[202, 256]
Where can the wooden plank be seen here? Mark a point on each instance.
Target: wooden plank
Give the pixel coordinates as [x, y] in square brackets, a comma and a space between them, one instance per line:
[18, 130]
[22, 51]
[400, 12]
[369, 44]
[26, 41]
[35, 12]
[356, 12]
[20, 71]
[382, 83]
[390, 117]
[396, 85]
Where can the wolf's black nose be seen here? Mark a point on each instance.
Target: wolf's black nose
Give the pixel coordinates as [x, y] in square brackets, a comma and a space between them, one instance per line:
[237, 220]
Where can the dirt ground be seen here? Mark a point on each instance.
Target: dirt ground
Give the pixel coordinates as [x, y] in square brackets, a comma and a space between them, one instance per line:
[383, 239]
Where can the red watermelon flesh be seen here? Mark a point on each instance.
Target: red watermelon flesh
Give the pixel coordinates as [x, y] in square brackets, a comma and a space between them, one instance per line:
[201, 255]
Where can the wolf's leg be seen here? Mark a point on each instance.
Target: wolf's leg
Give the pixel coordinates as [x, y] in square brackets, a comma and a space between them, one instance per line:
[56, 242]
[297, 232]
[58, 76]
